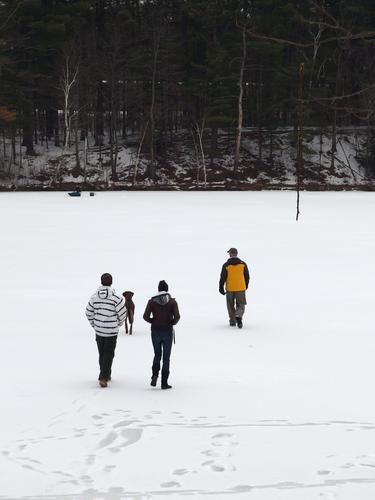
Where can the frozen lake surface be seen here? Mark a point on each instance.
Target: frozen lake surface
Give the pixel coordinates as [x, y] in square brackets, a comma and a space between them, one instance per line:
[280, 410]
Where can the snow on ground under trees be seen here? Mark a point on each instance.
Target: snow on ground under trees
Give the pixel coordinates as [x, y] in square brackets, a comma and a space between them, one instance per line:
[268, 159]
[281, 410]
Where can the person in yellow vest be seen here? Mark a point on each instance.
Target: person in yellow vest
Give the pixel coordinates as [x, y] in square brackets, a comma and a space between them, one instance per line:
[235, 276]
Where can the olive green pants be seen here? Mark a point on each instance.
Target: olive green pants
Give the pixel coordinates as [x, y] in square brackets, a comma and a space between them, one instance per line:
[236, 302]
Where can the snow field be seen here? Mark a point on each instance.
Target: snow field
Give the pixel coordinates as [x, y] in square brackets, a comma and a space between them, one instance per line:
[282, 409]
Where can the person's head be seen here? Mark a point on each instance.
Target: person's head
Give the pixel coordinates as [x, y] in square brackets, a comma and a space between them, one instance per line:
[163, 286]
[233, 252]
[106, 279]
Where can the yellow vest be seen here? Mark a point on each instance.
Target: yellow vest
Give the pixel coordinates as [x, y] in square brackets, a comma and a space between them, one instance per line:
[235, 278]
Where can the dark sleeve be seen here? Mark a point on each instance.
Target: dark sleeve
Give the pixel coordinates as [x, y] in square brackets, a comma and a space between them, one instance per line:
[223, 276]
[147, 313]
[246, 275]
[176, 313]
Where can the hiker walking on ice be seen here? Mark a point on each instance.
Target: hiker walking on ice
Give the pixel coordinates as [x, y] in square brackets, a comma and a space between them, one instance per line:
[235, 276]
[162, 312]
[106, 313]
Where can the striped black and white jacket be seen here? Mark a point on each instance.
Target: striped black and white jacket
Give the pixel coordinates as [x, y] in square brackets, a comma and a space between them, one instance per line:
[106, 311]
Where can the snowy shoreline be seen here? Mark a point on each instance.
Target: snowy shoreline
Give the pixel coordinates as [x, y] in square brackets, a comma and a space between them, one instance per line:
[229, 187]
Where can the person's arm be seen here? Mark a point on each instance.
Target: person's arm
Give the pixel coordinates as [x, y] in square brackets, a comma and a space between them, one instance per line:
[90, 313]
[120, 311]
[223, 279]
[147, 313]
[246, 275]
[176, 313]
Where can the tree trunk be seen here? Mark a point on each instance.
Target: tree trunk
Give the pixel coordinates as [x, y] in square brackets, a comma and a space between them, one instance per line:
[28, 128]
[334, 121]
[214, 138]
[78, 163]
[299, 163]
[240, 106]
[271, 147]
[99, 115]
[156, 44]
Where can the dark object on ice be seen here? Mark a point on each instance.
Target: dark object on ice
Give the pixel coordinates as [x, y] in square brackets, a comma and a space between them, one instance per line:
[92, 194]
[129, 314]
[162, 312]
[239, 322]
[75, 193]
[232, 323]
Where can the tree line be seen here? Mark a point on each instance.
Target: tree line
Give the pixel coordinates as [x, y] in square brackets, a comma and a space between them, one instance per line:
[110, 71]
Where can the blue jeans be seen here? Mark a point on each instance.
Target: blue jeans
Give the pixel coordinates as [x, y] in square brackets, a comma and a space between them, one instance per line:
[162, 339]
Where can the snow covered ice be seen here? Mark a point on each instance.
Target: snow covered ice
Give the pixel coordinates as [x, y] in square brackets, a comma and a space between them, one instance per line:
[280, 410]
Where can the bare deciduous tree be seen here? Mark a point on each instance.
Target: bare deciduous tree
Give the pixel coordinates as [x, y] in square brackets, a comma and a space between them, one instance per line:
[68, 80]
[240, 104]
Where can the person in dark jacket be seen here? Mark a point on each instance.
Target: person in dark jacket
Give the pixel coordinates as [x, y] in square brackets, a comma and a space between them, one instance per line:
[162, 312]
[235, 276]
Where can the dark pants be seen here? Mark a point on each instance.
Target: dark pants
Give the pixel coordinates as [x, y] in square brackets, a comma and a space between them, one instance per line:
[162, 339]
[106, 348]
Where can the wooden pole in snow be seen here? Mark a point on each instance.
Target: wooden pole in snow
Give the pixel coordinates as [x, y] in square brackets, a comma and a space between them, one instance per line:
[299, 163]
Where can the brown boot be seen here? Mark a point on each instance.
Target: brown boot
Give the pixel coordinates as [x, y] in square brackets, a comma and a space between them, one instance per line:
[103, 383]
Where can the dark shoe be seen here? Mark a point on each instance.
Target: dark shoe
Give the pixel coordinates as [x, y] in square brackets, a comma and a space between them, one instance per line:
[239, 322]
[155, 374]
[103, 383]
[232, 323]
[164, 380]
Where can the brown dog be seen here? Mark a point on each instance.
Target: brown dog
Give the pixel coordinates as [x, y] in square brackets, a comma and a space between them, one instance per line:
[129, 314]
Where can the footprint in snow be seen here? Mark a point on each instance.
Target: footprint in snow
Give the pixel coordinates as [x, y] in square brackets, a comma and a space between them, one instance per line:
[180, 472]
[109, 468]
[171, 484]
[90, 460]
[109, 439]
[213, 466]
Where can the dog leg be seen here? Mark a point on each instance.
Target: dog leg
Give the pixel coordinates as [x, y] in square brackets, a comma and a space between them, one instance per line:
[131, 320]
[126, 323]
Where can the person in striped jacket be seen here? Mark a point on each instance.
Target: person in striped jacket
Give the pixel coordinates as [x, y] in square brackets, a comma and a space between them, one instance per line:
[106, 313]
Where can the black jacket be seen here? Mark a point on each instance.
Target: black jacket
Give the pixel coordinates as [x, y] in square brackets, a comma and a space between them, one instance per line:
[162, 311]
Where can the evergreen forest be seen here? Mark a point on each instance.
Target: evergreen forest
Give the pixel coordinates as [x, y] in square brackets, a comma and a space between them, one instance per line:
[199, 91]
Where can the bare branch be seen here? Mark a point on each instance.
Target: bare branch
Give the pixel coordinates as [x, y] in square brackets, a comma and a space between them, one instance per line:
[342, 97]
[10, 15]
[325, 12]
[360, 113]
[325, 25]
[350, 36]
